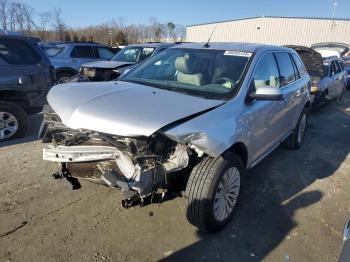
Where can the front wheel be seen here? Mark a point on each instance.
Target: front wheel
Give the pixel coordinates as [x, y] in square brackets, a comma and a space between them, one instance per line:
[212, 191]
[13, 121]
[295, 139]
[64, 77]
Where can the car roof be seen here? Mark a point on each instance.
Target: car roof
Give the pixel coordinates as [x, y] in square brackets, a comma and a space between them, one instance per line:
[68, 43]
[236, 46]
[328, 60]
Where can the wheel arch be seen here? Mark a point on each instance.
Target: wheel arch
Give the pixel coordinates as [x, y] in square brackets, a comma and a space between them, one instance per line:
[14, 96]
[66, 70]
[241, 150]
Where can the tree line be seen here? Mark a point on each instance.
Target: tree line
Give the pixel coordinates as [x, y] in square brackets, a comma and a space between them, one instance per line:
[50, 26]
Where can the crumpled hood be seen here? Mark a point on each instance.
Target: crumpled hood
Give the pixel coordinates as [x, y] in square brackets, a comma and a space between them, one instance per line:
[122, 108]
[107, 64]
[312, 60]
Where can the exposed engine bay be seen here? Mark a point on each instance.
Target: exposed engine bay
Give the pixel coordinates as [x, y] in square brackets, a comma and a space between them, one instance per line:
[137, 166]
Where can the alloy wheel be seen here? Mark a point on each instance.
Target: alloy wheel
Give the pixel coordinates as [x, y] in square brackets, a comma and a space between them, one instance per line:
[227, 194]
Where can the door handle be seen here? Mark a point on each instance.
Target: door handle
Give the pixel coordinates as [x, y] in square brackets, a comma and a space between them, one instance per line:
[24, 79]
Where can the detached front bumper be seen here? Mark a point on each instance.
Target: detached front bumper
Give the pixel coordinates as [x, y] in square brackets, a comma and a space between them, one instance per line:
[82, 154]
[67, 154]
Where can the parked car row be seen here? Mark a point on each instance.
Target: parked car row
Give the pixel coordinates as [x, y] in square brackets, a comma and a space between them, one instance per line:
[127, 58]
[328, 77]
[68, 57]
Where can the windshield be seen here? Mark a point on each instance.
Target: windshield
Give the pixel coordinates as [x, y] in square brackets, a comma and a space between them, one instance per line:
[198, 71]
[134, 54]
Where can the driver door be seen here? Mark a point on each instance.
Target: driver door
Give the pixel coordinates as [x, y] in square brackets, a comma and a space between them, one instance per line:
[266, 117]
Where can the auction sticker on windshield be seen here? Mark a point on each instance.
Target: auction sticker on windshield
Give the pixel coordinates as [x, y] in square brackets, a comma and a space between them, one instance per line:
[237, 53]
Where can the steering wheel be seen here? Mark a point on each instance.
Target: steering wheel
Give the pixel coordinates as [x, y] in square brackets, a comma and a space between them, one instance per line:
[222, 80]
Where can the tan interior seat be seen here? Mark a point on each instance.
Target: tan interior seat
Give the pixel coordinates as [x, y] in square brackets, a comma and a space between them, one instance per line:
[188, 72]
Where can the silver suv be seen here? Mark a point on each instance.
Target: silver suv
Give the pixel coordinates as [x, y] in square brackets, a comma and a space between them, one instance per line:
[67, 57]
[206, 111]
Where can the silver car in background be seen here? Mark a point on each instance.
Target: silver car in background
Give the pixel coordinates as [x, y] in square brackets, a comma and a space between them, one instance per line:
[67, 57]
[206, 111]
[328, 77]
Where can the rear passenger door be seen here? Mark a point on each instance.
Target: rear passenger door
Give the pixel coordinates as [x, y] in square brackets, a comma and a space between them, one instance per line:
[21, 67]
[339, 79]
[292, 89]
[334, 82]
[82, 54]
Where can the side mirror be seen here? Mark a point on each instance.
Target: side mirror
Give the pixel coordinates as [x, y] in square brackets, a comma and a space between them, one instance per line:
[267, 93]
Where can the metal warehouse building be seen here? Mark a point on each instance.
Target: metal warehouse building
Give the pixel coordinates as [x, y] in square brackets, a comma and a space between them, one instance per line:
[273, 30]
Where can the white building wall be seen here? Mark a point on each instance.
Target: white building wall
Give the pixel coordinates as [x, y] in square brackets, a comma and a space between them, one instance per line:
[273, 30]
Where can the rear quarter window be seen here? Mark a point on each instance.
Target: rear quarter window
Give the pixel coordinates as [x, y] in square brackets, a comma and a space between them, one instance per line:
[300, 66]
[18, 52]
[83, 52]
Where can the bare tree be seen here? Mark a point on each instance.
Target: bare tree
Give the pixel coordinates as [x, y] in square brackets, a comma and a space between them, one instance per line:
[157, 29]
[19, 15]
[28, 16]
[43, 20]
[58, 23]
[3, 13]
[171, 27]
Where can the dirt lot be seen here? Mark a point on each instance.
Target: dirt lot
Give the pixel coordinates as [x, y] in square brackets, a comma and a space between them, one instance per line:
[294, 206]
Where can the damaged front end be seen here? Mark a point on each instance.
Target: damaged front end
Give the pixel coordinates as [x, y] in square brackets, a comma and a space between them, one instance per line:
[138, 166]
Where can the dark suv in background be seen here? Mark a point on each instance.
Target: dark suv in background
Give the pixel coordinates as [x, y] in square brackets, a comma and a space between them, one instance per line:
[25, 78]
[67, 57]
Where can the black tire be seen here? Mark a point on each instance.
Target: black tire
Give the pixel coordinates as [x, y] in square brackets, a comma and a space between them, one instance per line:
[19, 114]
[293, 141]
[202, 187]
[60, 76]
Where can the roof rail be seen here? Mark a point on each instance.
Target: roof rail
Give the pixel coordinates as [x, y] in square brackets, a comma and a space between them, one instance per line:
[4, 32]
[71, 42]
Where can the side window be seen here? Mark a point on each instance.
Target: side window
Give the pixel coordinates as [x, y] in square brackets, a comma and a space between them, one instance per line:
[300, 66]
[296, 73]
[326, 69]
[286, 68]
[266, 72]
[18, 52]
[333, 69]
[83, 52]
[338, 67]
[161, 49]
[104, 53]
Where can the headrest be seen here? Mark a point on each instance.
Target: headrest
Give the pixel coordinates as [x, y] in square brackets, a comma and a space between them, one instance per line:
[185, 65]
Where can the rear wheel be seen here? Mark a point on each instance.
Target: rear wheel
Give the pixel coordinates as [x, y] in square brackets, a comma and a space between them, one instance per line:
[13, 121]
[212, 191]
[296, 138]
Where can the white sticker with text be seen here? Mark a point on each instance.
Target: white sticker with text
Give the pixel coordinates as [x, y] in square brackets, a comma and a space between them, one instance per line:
[237, 53]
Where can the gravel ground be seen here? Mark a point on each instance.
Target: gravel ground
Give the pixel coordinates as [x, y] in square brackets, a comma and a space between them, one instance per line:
[293, 208]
